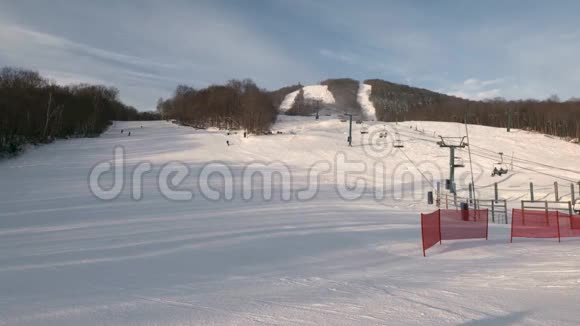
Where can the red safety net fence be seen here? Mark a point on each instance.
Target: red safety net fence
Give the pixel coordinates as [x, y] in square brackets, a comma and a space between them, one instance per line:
[535, 224]
[569, 225]
[430, 229]
[447, 224]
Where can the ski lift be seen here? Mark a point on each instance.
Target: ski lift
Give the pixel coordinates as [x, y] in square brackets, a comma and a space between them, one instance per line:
[364, 130]
[383, 134]
[458, 162]
[398, 143]
[500, 167]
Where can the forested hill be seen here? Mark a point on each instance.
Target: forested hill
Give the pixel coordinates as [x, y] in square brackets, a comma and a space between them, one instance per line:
[397, 102]
[400, 102]
[344, 91]
[34, 110]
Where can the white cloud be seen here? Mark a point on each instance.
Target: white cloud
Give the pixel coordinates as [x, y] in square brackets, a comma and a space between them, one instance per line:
[476, 83]
[68, 62]
[338, 56]
[184, 43]
[476, 89]
[159, 45]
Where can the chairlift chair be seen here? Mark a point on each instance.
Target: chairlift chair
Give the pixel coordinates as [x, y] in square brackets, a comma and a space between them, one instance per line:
[500, 167]
[383, 134]
[459, 162]
[364, 130]
[398, 143]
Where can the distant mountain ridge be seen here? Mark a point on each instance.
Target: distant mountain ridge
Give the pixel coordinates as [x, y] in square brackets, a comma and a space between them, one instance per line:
[398, 102]
[389, 99]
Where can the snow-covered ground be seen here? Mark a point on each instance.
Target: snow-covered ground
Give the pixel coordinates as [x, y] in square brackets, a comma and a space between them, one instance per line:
[312, 92]
[334, 257]
[368, 108]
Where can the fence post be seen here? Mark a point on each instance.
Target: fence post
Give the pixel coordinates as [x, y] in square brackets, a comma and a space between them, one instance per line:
[557, 198]
[438, 194]
[493, 211]
[547, 219]
[531, 191]
[505, 211]
[570, 209]
[512, 228]
[439, 217]
[523, 215]
[558, 224]
[423, 234]
[495, 191]
[572, 193]
[487, 224]
[470, 196]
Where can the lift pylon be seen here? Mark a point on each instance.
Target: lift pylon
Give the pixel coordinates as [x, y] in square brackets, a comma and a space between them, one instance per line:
[452, 143]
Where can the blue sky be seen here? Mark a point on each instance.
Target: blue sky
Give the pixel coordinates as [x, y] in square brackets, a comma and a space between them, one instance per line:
[473, 49]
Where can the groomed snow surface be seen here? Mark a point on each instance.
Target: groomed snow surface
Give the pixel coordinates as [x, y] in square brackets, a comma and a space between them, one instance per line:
[68, 258]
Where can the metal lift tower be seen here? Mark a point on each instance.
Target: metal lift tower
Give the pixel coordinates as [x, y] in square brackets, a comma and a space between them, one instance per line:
[349, 139]
[452, 143]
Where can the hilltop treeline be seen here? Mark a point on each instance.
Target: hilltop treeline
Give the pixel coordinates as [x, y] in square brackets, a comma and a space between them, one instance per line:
[279, 95]
[303, 106]
[237, 104]
[345, 92]
[35, 110]
[395, 102]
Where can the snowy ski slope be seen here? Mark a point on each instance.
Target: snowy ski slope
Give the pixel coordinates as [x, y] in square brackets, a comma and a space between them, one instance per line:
[312, 92]
[368, 108]
[321, 92]
[68, 258]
